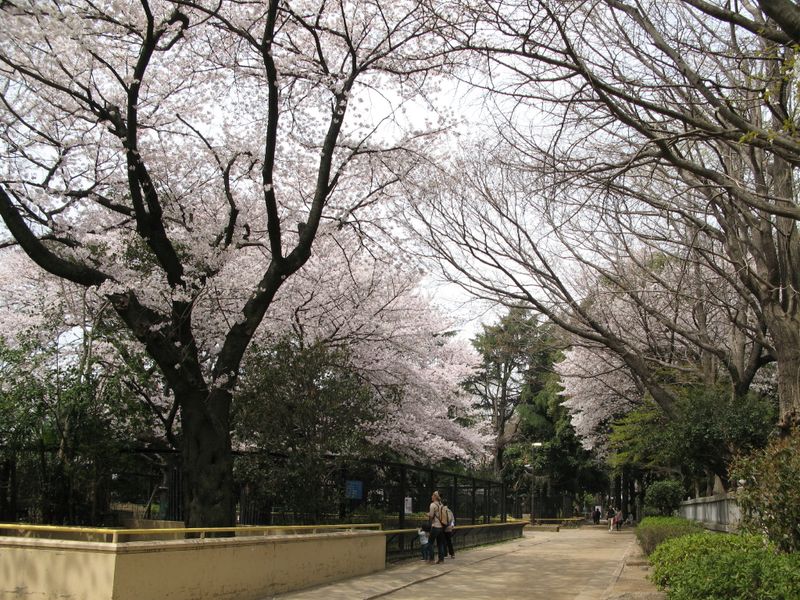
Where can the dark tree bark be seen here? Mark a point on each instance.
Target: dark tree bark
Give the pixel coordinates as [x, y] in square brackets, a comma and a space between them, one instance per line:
[115, 96]
[208, 487]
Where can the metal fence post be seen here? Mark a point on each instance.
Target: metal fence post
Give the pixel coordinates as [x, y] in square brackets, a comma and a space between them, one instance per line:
[474, 490]
[402, 514]
[403, 485]
[454, 495]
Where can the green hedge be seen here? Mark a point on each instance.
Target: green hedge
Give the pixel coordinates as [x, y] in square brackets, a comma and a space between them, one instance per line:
[770, 497]
[715, 566]
[664, 496]
[654, 530]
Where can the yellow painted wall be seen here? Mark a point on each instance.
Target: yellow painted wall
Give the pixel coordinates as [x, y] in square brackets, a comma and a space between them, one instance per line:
[242, 568]
[52, 569]
[77, 534]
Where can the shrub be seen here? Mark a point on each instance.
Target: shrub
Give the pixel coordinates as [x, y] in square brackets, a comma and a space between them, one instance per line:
[770, 496]
[650, 511]
[714, 566]
[783, 574]
[664, 496]
[654, 530]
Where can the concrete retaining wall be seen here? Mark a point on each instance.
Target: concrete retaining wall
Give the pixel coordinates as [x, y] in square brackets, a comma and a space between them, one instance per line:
[241, 568]
[720, 513]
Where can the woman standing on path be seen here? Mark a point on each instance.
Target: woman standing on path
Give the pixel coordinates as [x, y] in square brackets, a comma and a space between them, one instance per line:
[449, 527]
[438, 522]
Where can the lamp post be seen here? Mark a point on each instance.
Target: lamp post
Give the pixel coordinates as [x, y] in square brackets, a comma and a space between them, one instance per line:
[534, 445]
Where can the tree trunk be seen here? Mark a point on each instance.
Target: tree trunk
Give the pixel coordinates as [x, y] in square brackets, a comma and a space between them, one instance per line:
[781, 311]
[786, 14]
[785, 332]
[208, 491]
[498, 460]
[616, 491]
[13, 489]
[625, 505]
[5, 491]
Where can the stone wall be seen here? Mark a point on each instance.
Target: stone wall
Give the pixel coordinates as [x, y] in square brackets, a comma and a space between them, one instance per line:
[719, 513]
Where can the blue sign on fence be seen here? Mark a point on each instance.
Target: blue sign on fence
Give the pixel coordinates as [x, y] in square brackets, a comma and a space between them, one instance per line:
[353, 490]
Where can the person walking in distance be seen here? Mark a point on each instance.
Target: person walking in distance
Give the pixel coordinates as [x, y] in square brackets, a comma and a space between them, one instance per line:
[610, 513]
[436, 516]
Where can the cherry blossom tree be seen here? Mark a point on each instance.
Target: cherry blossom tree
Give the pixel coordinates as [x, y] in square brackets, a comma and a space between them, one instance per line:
[305, 409]
[597, 388]
[345, 301]
[374, 308]
[154, 151]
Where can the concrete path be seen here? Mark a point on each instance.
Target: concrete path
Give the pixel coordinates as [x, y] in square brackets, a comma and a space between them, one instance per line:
[573, 564]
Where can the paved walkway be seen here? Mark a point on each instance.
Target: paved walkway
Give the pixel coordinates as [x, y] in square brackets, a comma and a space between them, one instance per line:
[573, 564]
